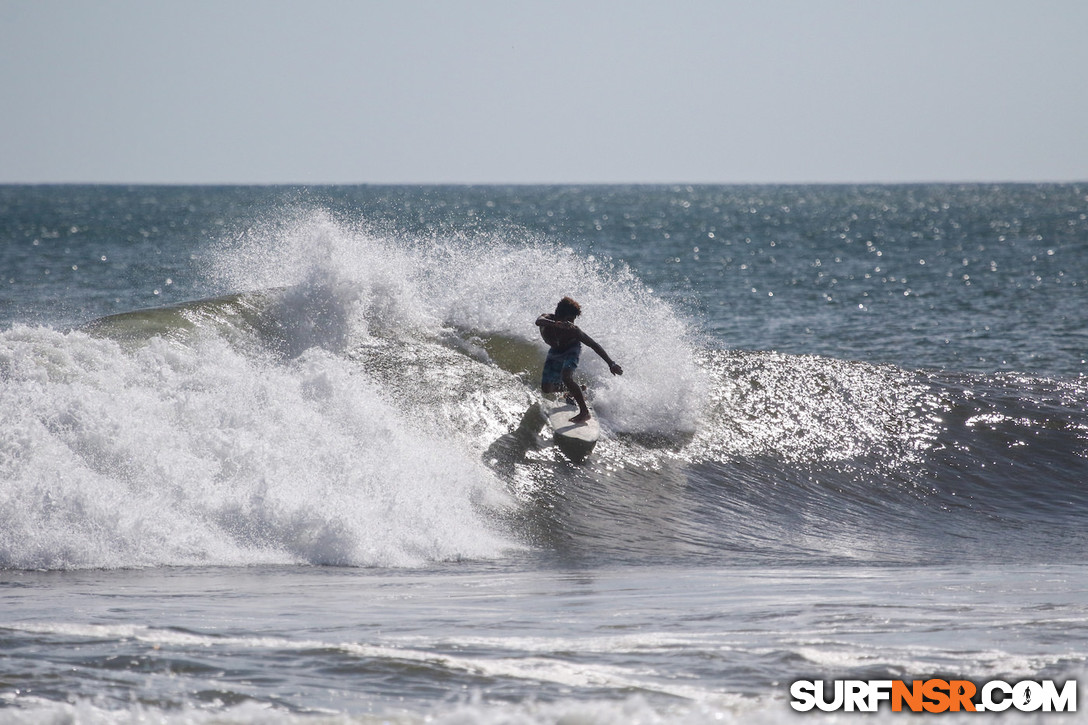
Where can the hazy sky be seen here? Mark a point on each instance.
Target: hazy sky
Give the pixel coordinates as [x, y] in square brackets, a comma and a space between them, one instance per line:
[475, 91]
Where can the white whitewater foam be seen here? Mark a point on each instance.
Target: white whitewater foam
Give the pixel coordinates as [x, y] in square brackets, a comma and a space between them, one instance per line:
[203, 454]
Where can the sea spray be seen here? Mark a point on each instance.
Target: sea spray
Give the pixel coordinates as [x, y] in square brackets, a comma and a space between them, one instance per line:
[502, 289]
[344, 284]
[336, 281]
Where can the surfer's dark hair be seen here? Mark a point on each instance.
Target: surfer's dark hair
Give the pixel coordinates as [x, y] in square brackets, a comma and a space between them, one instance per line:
[568, 308]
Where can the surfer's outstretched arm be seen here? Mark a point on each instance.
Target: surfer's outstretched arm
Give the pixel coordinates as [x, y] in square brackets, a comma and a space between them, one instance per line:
[612, 366]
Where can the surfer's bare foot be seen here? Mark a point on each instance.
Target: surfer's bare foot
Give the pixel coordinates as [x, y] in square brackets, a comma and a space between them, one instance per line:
[581, 417]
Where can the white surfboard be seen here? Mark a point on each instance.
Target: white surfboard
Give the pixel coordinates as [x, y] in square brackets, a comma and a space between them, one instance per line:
[576, 440]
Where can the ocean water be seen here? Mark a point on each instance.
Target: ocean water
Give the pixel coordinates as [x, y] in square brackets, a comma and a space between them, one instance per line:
[270, 454]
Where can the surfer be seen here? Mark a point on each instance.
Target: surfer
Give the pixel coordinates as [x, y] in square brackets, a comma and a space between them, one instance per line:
[565, 340]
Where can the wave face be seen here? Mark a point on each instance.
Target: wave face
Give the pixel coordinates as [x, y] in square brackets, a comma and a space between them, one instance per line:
[364, 398]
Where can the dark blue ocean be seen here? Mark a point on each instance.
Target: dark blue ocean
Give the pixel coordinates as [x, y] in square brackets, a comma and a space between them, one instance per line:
[270, 454]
